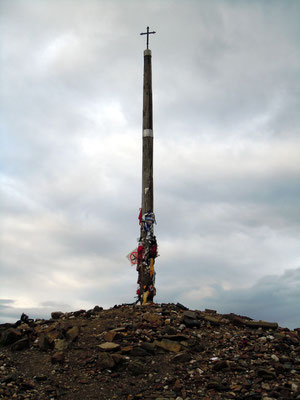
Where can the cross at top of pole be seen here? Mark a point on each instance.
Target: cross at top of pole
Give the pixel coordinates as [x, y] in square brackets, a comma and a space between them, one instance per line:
[147, 33]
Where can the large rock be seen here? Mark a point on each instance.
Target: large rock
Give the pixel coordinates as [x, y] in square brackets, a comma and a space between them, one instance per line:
[212, 320]
[24, 328]
[138, 352]
[61, 345]
[190, 314]
[109, 346]
[176, 338]
[110, 335]
[54, 333]
[239, 320]
[44, 342]
[220, 365]
[105, 361]
[79, 313]
[58, 358]
[126, 349]
[136, 368]
[153, 318]
[235, 319]
[191, 323]
[261, 324]
[20, 344]
[266, 373]
[168, 345]
[182, 357]
[118, 358]
[150, 347]
[218, 386]
[72, 334]
[181, 306]
[10, 336]
[56, 314]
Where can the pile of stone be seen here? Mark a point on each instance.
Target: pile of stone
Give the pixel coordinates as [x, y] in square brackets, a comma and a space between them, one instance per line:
[157, 352]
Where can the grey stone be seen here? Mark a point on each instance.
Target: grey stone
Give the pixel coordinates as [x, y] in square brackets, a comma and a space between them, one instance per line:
[118, 358]
[138, 352]
[212, 320]
[79, 312]
[97, 309]
[105, 361]
[72, 334]
[207, 310]
[136, 368]
[61, 345]
[181, 306]
[266, 373]
[44, 342]
[261, 324]
[150, 347]
[190, 314]
[109, 346]
[217, 386]
[191, 323]
[176, 338]
[20, 344]
[168, 345]
[182, 357]
[10, 336]
[58, 358]
[56, 314]
[219, 365]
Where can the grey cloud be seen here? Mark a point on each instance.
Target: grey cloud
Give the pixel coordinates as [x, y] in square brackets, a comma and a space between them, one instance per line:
[246, 69]
[274, 297]
[11, 313]
[225, 79]
[6, 302]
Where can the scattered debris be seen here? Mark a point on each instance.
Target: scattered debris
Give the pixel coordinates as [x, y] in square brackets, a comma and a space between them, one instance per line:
[162, 351]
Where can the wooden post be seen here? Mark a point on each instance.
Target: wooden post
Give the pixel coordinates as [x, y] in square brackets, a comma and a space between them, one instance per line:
[147, 249]
[147, 178]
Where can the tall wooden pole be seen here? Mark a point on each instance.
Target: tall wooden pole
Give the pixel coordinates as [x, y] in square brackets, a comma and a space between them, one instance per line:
[147, 179]
[147, 249]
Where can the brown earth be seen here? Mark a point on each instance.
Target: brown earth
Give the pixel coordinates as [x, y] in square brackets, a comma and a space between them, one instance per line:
[162, 351]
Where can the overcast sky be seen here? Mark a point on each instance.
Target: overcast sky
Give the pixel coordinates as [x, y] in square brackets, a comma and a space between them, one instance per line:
[226, 93]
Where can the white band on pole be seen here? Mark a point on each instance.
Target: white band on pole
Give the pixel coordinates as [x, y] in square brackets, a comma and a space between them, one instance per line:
[147, 52]
[148, 133]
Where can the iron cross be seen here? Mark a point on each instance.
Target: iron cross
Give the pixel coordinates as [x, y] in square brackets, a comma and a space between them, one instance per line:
[147, 33]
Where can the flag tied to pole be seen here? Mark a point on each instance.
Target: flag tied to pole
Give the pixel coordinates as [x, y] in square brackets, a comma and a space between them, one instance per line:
[133, 257]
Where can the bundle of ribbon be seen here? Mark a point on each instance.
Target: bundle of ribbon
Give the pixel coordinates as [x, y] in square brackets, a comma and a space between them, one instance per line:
[144, 258]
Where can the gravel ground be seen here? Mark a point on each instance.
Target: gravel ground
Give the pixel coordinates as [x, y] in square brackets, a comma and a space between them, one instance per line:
[159, 351]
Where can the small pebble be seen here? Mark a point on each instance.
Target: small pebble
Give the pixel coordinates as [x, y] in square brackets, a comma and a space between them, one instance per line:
[274, 357]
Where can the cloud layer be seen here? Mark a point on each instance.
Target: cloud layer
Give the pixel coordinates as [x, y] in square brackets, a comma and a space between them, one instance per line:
[227, 158]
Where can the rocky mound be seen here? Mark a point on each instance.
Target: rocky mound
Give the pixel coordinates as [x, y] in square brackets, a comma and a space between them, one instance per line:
[148, 352]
